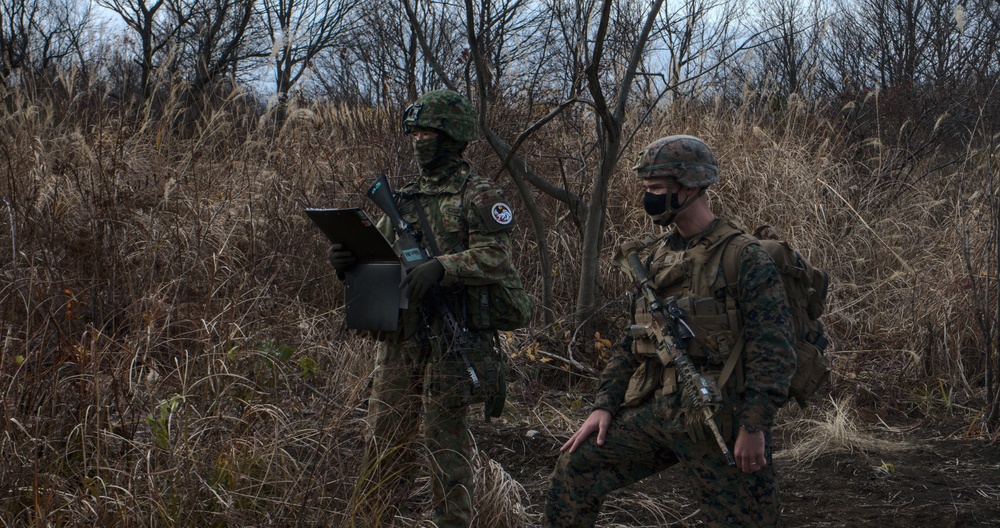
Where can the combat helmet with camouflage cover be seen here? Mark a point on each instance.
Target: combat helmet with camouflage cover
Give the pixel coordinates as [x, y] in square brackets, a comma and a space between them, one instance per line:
[445, 111]
[685, 158]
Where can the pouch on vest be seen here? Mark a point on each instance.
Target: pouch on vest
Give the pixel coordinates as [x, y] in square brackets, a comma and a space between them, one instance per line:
[644, 382]
[812, 370]
[448, 379]
[491, 371]
[499, 307]
[643, 345]
[495, 373]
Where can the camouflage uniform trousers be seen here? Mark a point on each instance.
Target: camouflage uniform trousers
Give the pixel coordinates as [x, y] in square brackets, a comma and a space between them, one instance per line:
[414, 380]
[641, 442]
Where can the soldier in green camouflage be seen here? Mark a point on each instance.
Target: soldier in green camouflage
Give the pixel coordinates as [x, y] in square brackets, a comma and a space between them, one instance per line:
[469, 223]
[643, 422]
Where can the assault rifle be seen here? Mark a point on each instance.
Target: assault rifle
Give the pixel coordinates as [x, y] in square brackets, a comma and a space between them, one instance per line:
[413, 253]
[672, 334]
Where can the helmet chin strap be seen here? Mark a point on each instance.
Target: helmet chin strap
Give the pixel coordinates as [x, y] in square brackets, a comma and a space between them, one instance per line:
[676, 208]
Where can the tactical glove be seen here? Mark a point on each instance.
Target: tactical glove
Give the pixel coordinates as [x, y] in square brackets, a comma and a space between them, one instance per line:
[421, 279]
[340, 258]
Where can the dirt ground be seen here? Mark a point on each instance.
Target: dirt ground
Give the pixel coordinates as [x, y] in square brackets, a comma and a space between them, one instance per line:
[937, 478]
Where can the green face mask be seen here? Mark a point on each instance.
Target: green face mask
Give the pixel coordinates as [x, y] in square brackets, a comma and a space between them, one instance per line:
[432, 152]
[425, 150]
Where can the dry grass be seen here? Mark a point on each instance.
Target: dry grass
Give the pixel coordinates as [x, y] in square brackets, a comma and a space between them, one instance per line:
[639, 510]
[171, 341]
[499, 499]
[836, 431]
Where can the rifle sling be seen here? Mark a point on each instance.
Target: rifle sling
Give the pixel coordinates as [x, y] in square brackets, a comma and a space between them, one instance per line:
[484, 300]
[730, 269]
[731, 361]
[425, 226]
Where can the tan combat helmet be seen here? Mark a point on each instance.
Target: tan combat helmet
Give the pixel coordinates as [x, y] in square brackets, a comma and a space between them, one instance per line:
[684, 158]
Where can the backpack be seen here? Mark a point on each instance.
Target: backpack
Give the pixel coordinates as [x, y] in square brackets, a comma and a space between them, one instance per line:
[807, 288]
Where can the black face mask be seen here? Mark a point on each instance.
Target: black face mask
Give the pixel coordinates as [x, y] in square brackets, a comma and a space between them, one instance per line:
[656, 205]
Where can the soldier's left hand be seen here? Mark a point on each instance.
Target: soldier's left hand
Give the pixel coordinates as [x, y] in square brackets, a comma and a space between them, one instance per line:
[750, 450]
[422, 278]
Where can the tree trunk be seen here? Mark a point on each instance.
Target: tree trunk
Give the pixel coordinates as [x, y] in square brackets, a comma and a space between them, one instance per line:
[992, 385]
[590, 291]
[517, 169]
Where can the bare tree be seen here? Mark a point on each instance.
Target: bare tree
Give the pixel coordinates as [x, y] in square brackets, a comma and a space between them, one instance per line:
[300, 30]
[570, 50]
[977, 31]
[155, 29]
[609, 110]
[36, 35]
[216, 40]
[982, 263]
[60, 24]
[507, 38]
[488, 75]
[792, 34]
[898, 40]
[696, 39]
[389, 61]
[369, 69]
[70, 39]
[844, 55]
[18, 22]
[202, 40]
[905, 42]
[687, 35]
[609, 76]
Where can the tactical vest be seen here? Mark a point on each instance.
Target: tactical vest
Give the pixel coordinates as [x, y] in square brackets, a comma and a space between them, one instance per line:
[695, 279]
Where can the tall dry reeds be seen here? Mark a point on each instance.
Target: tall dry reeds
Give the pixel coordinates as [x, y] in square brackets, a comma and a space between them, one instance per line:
[173, 350]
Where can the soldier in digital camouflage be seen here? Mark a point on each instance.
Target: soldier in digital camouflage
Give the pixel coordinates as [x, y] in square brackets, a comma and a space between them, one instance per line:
[417, 383]
[642, 422]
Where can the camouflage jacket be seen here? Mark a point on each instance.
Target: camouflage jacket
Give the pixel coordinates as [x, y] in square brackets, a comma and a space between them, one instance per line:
[768, 356]
[471, 222]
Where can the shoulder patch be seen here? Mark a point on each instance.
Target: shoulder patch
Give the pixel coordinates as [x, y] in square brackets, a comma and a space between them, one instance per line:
[493, 212]
[495, 216]
[502, 213]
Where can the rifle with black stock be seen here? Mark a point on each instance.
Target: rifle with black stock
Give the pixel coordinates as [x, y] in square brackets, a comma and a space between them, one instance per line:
[412, 253]
[672, 334]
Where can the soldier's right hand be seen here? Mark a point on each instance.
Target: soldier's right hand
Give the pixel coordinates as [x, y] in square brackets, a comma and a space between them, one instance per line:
[598, 422]
[341, 259]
